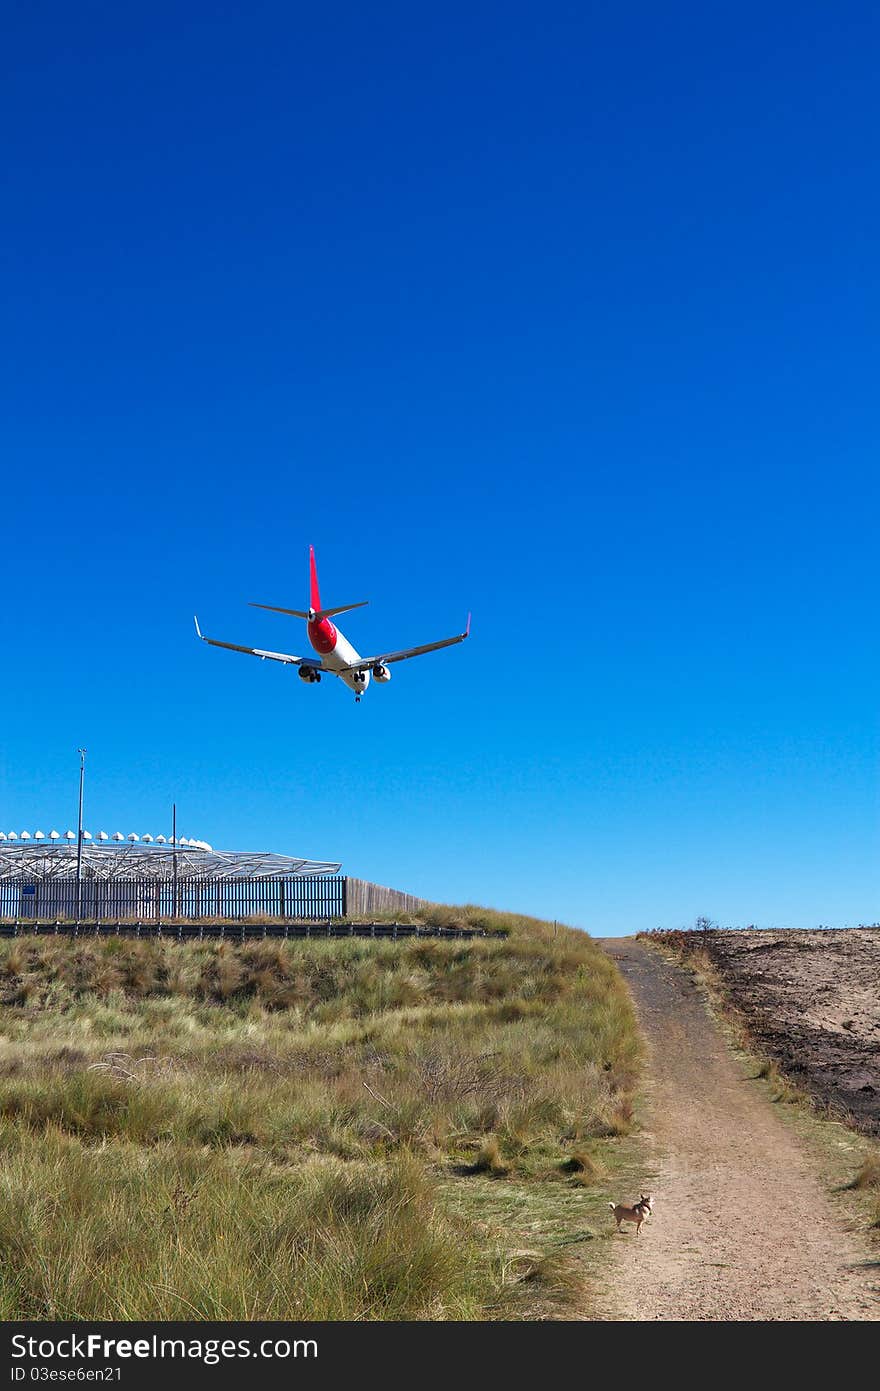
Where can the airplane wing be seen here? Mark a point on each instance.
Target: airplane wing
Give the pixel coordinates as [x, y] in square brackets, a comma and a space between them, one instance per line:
[285, 657]
[366, 662]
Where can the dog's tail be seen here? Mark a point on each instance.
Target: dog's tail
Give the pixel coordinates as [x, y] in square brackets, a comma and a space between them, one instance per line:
[612, 1206]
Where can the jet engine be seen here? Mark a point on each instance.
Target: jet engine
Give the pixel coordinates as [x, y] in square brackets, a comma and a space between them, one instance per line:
[308, 674]
[381, 673]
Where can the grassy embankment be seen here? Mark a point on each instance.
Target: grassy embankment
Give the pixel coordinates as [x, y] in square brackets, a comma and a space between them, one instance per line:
[340, 1129]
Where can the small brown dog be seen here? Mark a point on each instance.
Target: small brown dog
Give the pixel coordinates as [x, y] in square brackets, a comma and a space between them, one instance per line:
[637, 1213]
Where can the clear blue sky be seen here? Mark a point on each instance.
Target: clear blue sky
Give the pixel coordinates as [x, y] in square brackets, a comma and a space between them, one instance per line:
[563, 313]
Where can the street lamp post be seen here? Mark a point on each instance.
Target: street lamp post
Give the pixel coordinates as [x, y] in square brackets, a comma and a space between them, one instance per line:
[174, 856]
[79, 835]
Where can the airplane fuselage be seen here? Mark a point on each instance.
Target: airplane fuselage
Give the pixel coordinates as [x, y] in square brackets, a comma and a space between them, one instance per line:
[336, 652]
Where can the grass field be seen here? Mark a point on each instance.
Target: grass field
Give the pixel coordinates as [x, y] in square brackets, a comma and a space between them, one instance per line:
[341, 1129]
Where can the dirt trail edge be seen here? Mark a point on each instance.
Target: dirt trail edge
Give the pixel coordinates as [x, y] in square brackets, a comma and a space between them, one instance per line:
[742, 1228]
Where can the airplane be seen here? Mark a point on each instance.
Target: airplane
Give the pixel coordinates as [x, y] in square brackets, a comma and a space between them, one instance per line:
[336, 656]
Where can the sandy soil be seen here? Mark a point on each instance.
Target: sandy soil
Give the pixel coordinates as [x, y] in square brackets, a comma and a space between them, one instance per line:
[812, 1001]
[742, 1228]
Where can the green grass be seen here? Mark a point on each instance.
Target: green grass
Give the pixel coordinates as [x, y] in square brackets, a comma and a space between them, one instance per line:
[117, 1232]
[304, 1129]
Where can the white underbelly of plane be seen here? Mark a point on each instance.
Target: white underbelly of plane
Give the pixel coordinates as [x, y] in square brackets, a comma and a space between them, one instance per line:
[340, 659]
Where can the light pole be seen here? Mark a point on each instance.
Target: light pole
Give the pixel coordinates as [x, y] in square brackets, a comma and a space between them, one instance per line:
[174, 855]
[79, 835]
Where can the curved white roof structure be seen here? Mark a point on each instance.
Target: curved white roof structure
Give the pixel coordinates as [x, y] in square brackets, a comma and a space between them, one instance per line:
[145, 857]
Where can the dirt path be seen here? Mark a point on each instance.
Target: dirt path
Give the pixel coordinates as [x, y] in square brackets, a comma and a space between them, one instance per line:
[742, 1228]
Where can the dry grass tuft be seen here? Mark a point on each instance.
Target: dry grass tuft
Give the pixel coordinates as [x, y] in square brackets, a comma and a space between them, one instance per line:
[584, 1167]
[489, 1160]
[868, 1175]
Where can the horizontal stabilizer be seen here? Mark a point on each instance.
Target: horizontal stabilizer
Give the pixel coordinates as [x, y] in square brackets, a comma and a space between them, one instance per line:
[294, 613]
[343, 608]
[313, 615]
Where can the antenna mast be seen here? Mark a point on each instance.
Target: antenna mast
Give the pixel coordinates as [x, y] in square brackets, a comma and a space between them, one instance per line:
[79, 835]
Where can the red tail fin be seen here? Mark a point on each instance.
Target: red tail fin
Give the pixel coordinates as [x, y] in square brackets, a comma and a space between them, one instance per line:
[314, 593]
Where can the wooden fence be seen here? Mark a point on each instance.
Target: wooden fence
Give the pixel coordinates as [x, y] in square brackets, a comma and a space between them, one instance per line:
[363, 898]
[308, 898]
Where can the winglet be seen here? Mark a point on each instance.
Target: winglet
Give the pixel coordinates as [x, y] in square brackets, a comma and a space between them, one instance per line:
[467, 631]
[198, 629]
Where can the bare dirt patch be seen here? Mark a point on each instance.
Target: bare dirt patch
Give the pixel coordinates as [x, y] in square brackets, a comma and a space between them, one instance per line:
[810, 1000]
